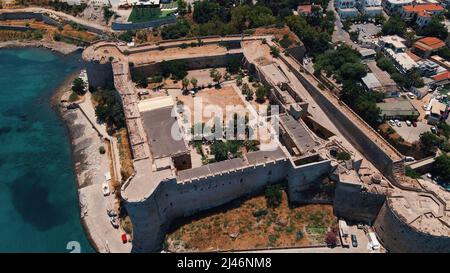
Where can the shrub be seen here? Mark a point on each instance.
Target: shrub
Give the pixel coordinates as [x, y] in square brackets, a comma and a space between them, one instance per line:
[73, 97]
[330, 239]
[343, 156]
[259, 213]
[273, 195]
[101, 150]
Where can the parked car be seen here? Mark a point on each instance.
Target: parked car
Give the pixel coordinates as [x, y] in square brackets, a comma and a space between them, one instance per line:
[114, 222]
[111, 213]
[414, 124]
[410, 159]
[360, 226]
[354, 241]
[398, 123]
[105, 188]
[408, 123]
[391, 122]
[124, 238]
[433, 130]
[411, 95]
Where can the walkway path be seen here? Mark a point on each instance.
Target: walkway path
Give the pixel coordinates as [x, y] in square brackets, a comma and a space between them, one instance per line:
[81, 21]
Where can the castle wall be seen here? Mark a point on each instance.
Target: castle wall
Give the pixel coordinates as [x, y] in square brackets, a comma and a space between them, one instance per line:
[397, 236]
[303, 177]
[99, 74]
[352, 204]
[192, 63]
[152, 217]
[347, 127]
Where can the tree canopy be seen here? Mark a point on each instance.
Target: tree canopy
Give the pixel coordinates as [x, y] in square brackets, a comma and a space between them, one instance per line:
[435, 28]
[394, 26]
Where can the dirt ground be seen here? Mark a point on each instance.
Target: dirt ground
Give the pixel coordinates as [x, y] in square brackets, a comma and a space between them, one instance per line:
[210, 97]
[278, 33]
[235, 227]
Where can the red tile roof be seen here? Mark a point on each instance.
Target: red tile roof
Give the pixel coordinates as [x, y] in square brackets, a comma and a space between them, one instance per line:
[429, 43]
[422, 7]
[443, 76]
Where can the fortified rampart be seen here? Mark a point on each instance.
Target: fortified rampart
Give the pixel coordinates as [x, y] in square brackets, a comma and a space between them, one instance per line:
[354, 204]
[394, 232]
[172, 194]
[193, 63]
[187, 195]
[357, 137]
[99, 73]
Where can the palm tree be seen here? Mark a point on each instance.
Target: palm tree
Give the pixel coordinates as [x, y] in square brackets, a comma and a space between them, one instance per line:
[185, 83]
[194, 82]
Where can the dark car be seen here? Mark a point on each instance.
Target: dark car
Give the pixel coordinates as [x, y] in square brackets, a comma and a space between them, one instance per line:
[354, 241]
[414, 124]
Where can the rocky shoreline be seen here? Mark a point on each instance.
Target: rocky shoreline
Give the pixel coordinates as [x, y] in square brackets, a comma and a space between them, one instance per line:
[54, 46]
[74, 125]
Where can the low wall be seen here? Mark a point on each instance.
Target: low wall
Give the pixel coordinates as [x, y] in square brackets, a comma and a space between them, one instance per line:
[150, 24]
[397, 236]
[28, 16]
[15, 28]
[193, 63]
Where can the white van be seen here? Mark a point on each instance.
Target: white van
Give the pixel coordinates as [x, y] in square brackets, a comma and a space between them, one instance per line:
[373, 241]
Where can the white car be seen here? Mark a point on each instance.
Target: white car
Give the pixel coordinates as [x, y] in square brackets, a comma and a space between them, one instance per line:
[391, 122]
[411, 95]
[410, 159]
[398, 123]
[114, 222]
[408, 123]
[105, 189]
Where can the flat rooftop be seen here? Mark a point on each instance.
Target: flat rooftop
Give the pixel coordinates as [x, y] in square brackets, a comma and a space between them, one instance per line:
[249, 159]
[274, 74]
[303, 140]
[158, 125]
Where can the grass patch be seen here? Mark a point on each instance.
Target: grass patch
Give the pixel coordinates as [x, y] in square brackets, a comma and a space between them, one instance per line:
[145, 14]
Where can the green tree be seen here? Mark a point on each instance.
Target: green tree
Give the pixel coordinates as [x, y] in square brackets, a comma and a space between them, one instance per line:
[273, 194]
[219, 150]
[185, 83]
[194, 82]
[274, 51]
[78, 86]
[429, 141]
[215, 75]
[261, 93]
[394, 26]
[435, 28]
[441, 167]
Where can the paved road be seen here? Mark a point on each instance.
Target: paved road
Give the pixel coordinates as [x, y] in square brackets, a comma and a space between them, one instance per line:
[98, 27]
[339, 34]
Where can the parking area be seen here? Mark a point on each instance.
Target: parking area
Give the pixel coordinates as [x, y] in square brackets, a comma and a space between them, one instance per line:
[366, 31]
[362, 239]
[410, 133]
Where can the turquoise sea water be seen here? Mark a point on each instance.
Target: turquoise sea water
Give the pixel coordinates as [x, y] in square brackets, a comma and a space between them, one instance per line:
[38, 197]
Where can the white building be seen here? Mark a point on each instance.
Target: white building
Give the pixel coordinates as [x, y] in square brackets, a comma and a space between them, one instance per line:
[370, 8]
[394, 42]
[346, 8]
[395, 6]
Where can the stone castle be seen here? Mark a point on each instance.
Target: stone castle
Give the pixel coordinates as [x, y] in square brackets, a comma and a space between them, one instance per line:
[408, 215]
